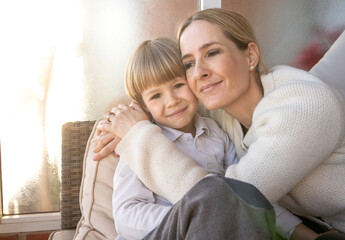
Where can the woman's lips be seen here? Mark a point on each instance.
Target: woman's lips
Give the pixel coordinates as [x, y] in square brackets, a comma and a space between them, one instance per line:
[209, 87]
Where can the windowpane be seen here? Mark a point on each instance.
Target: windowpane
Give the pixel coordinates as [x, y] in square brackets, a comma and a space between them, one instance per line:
[40, 89]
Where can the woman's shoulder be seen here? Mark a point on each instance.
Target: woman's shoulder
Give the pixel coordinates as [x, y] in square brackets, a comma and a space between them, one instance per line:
[295, 96]
[290, 80]
[282, 74]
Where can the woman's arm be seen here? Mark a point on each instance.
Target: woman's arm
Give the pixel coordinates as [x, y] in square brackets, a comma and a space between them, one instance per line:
[157, 161]
[292, 140]
[296, 127]
[150, 154]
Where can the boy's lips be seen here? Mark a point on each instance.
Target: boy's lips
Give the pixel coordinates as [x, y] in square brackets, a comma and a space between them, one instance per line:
[178, 112]
[209, 87]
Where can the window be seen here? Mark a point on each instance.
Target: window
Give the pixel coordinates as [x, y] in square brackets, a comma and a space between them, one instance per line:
[40, 89]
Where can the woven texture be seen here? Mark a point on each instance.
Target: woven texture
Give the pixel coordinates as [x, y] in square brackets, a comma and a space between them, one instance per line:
[74, 139]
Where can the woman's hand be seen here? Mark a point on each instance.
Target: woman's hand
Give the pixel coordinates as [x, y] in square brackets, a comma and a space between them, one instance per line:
[124, 117]
[119, 121]
[105, 144]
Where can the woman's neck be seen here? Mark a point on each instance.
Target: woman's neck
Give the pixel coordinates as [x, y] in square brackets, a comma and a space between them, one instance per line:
[244, 107]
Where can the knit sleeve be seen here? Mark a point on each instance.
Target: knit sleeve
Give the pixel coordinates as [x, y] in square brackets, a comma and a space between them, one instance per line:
[158, 163]
[296, 127]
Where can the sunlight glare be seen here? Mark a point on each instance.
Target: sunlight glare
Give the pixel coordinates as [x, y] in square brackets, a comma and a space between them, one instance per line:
[36, 32]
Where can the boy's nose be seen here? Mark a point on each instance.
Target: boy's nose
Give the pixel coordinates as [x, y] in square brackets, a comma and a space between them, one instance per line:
[172, 100]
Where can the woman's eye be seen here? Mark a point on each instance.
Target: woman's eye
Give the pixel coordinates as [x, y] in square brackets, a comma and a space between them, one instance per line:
[212, 53]
[179, 85]
[188, 65]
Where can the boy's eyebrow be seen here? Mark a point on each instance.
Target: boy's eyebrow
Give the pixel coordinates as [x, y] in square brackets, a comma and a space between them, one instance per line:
[152, 90]
[206, 45]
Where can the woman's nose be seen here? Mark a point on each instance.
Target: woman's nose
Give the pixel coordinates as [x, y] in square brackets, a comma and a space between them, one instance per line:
[201, 70]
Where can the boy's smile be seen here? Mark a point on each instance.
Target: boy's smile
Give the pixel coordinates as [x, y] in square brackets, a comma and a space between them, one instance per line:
[172, 104]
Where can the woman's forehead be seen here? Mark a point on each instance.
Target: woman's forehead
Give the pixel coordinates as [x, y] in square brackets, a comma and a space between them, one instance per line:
[200, 34]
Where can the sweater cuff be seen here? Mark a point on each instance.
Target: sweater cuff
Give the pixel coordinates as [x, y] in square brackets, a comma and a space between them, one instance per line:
[126, 142]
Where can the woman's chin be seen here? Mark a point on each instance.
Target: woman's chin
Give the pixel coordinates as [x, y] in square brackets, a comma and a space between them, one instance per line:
[211, 105]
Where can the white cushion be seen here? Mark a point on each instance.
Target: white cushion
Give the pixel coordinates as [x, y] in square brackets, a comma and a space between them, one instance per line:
[62, 235]
[331, 67]
[95, 195]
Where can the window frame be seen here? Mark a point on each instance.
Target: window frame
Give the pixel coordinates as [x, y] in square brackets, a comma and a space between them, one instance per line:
[27, 222]
[30, 222]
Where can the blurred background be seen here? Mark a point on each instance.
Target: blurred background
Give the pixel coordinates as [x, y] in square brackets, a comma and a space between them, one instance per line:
[64, 61]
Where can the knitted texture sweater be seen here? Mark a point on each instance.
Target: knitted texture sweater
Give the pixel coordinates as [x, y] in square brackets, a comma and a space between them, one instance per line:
[294, 152]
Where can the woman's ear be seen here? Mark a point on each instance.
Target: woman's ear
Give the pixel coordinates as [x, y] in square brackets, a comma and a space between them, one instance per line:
[253, 55]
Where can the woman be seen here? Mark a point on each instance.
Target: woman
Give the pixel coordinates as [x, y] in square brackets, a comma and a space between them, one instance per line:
[288, 126]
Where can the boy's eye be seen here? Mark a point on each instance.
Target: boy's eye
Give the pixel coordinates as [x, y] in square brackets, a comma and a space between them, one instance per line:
[212, 53]
[157, 95]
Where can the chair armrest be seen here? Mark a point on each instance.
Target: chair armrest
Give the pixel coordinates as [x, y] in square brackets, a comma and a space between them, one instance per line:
[74, 139]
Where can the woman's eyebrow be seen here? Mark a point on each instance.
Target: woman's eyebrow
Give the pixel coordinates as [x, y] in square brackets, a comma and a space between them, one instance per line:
[206, 45]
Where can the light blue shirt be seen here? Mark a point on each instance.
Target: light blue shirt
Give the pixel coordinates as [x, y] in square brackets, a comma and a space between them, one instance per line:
[136, 209]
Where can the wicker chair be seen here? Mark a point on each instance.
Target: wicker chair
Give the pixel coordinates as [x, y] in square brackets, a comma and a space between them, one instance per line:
[82, 179]
[74, 139]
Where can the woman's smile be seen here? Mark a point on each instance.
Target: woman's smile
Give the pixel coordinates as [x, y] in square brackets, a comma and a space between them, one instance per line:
[211, 86]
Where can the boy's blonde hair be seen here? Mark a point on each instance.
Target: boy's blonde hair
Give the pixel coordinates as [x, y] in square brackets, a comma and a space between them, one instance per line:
[153, 62]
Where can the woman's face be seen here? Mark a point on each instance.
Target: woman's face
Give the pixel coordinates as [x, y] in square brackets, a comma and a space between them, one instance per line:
[217, 71]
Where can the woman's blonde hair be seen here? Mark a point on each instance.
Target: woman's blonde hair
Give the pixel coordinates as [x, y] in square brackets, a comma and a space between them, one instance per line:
[153, 62]
[233, 25]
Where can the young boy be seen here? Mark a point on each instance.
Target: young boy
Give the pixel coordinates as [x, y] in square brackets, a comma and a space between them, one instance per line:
[155, 79]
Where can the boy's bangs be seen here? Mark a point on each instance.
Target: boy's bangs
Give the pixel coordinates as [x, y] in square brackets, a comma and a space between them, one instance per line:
[161, 68]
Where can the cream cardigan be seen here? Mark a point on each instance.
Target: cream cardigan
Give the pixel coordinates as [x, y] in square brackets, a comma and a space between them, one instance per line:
[294, 152]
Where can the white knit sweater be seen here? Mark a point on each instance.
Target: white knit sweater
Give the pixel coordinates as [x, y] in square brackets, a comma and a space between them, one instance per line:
[294, 152]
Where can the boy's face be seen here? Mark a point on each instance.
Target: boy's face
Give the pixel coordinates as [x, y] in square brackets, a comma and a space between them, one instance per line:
[172, 104]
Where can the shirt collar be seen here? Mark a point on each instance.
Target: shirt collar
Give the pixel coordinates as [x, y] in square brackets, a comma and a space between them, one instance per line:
[173, 134]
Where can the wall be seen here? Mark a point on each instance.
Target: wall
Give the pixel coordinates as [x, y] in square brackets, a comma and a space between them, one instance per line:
[285, 28]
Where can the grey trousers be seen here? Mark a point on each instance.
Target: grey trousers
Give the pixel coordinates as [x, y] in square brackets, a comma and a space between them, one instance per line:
[219, 208]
